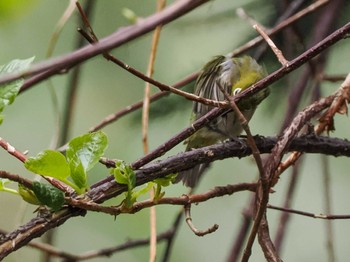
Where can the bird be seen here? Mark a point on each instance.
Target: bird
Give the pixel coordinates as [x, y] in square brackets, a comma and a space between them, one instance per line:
[234, 75]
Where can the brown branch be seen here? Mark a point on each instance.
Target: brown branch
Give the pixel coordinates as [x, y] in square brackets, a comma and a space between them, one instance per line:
[285, 23]
[329, 229]
[16, 178]
[294, 64]
[148, 79]
[339, 101]
[34, 228]
[107, 252]
[336, 36]
[120, 37]
[273, 161]
[12, 151]
[186, 160]
[244, 123]
[284, 218]
[22, 157]
[190, 224]
[308, 214]
[274, 48]
[265, 241]
[218, 191]
[131, 108]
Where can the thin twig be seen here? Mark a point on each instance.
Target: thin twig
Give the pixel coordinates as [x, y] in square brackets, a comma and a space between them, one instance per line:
[273, 162]
[72, 88]
[340, 98]
[145, 120]
[120, 37]
[22, 157]
[328, 207]
[284, 218]
[309, 9]
[308, 214]
[12, 150]
[17, 178]
[244, 123]
[274, 48]
[198, 232]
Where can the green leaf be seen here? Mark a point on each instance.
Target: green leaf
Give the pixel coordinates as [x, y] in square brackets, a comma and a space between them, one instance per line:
[48, 195]
[124, 174]
[28, 195]
[86, 149]
[3, 182]
[49, 163]
[165, 181]
[130, 15]
[143, 191]
[78, 175]
[9, 91]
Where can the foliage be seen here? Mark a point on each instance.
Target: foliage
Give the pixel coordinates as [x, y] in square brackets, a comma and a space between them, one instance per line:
[9, 91]
[48, 195]
[83, 152]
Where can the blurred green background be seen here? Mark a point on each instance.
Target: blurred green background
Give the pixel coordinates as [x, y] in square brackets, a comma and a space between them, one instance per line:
[185, 45]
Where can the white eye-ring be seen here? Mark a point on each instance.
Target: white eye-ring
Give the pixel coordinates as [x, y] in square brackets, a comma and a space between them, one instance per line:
[236, 91]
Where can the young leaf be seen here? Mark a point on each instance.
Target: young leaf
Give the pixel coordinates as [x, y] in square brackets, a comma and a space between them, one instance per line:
[165, 181]
[78, 175]
[123, 174]
[86, 149]
[3, 182]
[48, 195]
[9, 91]
[28, 195]
[49, 163]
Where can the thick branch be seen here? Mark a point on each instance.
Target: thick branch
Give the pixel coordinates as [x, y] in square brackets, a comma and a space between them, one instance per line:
[186, 160]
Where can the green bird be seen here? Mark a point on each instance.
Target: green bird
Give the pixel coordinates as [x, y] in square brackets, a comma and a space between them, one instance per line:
[234, 75]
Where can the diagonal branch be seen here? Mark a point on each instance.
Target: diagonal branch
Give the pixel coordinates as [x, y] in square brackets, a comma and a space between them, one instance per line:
[120, 37]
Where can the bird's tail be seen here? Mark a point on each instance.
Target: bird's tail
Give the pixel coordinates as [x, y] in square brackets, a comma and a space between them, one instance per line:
[191, 176]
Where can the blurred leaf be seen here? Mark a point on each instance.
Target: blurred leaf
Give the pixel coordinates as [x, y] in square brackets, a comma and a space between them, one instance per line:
[49, 163]
[9, 91]
[130, 15]
[48, 195]
[143, 191]
[165, 181]
[11, 8]
[28, 195]
[3, 182]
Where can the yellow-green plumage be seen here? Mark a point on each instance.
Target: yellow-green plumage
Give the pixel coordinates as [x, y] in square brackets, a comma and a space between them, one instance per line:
[234, 75]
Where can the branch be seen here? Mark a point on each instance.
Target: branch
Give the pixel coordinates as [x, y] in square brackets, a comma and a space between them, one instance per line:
[120, 37]
[35, 228]
[12, 150]
[308, 214]
[38, 226]
[198, 232]
[283, 24]
[239, 148]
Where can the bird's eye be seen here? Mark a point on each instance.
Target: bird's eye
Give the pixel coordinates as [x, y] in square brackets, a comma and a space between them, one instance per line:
[236, 91]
